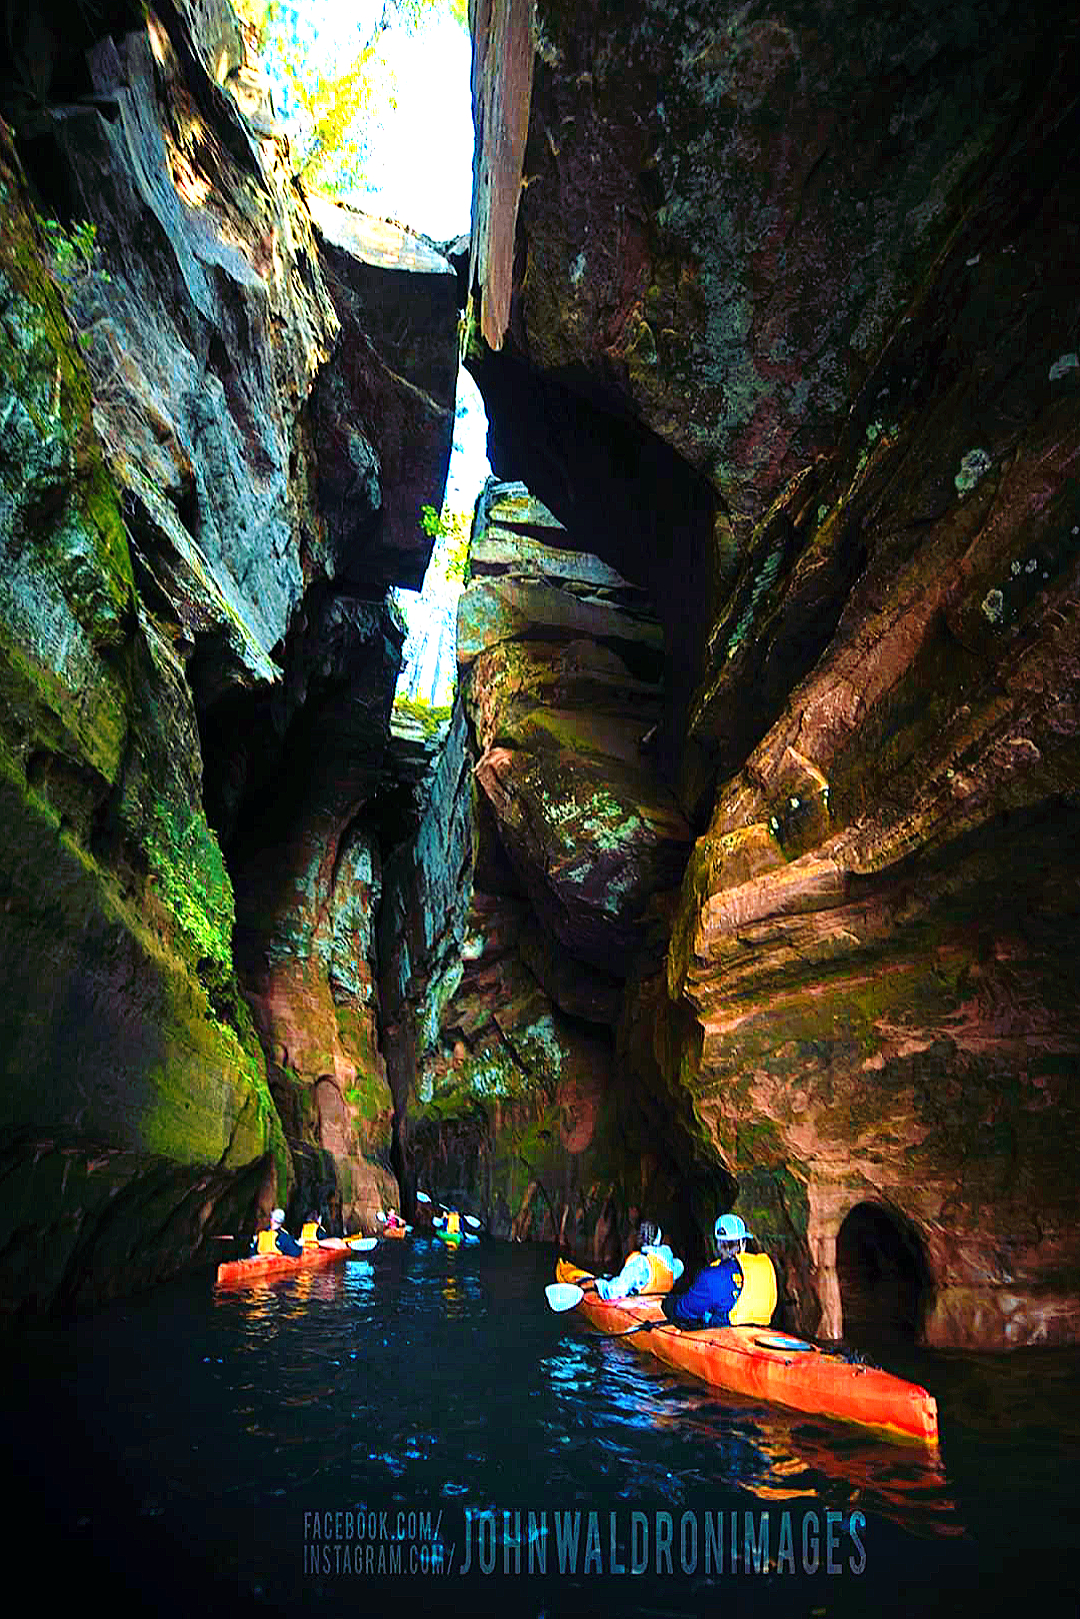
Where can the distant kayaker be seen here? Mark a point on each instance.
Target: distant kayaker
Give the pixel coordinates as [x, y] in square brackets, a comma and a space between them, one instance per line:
[737, 1289]
[312, 1231]
[275, 1239]
[653, 1268]
[393, 1220]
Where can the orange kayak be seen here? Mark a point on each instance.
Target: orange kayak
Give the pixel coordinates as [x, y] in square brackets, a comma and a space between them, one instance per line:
[768, 1365]
[263, 1267]
[395, 1231]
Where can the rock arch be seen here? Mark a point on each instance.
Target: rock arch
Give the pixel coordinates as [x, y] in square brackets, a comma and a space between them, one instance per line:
[884, 1278]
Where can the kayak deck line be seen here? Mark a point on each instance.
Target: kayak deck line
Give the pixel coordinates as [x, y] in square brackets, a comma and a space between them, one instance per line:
[790, 1372]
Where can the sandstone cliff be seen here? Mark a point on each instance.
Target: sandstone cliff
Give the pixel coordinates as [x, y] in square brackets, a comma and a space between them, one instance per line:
[773, 307]
[223, 411]
[747, 875]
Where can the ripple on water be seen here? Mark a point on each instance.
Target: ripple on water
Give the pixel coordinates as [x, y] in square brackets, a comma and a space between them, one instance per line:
[405, 1381]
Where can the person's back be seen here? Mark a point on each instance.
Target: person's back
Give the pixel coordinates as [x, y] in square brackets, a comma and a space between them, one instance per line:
[312, 1231]
[275, 1239]
[652, 1268]
[737, 1289]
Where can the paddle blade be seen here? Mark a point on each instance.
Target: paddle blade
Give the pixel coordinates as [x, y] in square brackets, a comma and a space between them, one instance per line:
[471, 1220]
[422, 1197]
[563, 1296]
[380, 1216]
[364, 1245]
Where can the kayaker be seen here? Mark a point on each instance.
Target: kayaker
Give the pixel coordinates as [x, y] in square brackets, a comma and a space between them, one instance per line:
[312, 1231]
[393, 1220]
[652, 1268]
[737, 1289]
[275, 1239]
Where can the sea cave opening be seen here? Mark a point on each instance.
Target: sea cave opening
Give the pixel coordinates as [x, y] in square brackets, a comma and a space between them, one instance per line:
[883, 1274]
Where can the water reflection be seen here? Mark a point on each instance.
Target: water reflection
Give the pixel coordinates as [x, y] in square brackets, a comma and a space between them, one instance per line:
[762, 1450]
[433, 1378]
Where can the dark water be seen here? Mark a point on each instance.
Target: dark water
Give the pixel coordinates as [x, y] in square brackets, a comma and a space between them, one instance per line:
[169, 1453]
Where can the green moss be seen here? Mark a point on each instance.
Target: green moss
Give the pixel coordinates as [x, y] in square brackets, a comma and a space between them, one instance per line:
[106, 1027]
[356, 1036]
[38, 711]
[186, 859]
[433, 721]
[67, 501]
[370, 1095]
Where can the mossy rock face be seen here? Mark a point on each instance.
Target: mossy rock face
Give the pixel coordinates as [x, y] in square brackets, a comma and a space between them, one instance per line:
[64, 539]
[591, 841]
[511, 1114]
[110, 1040]
[162, 550]
[123, 1028]
[89, 1222]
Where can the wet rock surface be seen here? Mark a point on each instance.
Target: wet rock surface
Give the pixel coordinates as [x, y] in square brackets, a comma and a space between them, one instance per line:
[746, 873]
[522, 1104]
[204, 498]
[819, 256]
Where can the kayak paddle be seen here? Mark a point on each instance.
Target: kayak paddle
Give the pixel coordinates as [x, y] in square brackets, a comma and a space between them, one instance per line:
[565, 1295]
[469, 1219]
[364, 1245]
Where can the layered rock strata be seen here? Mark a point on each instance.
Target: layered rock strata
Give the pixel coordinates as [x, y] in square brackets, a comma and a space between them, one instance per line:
[204, 495]
[821, 257]
[526, 1108]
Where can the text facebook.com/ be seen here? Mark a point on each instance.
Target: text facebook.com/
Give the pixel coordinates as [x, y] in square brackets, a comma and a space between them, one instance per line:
[572, 1542]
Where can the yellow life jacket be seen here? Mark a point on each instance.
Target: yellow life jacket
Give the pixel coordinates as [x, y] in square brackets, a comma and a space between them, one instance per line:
[309, 1234]
[453, 1224]
[661, 1279]
[755, 1304]
[268, 1241]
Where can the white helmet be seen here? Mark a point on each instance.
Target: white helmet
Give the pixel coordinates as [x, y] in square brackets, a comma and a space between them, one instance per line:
[729, 1228]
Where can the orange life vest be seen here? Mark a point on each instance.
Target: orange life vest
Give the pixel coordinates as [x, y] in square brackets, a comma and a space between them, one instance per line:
[661, 1279]
[268, 1241]
[453, 1224]
[309, 1234]
[755, 1304]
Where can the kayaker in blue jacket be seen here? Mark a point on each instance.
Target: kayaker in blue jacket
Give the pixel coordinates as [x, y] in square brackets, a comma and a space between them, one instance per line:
[653, 1268]
[737, 1289]
[275, 1239]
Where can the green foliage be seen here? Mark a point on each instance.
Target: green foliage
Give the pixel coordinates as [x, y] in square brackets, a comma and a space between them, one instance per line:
[72, 251]
[339, 100]
[432, 720]
[253, 12]
[335, 104]
[451, 532]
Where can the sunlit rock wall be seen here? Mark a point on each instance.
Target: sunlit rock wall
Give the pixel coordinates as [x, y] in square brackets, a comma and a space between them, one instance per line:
[822, 254]
[203, 494]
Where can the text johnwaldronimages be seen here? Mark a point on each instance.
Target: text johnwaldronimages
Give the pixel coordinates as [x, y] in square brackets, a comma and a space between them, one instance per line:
[511, 1541]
